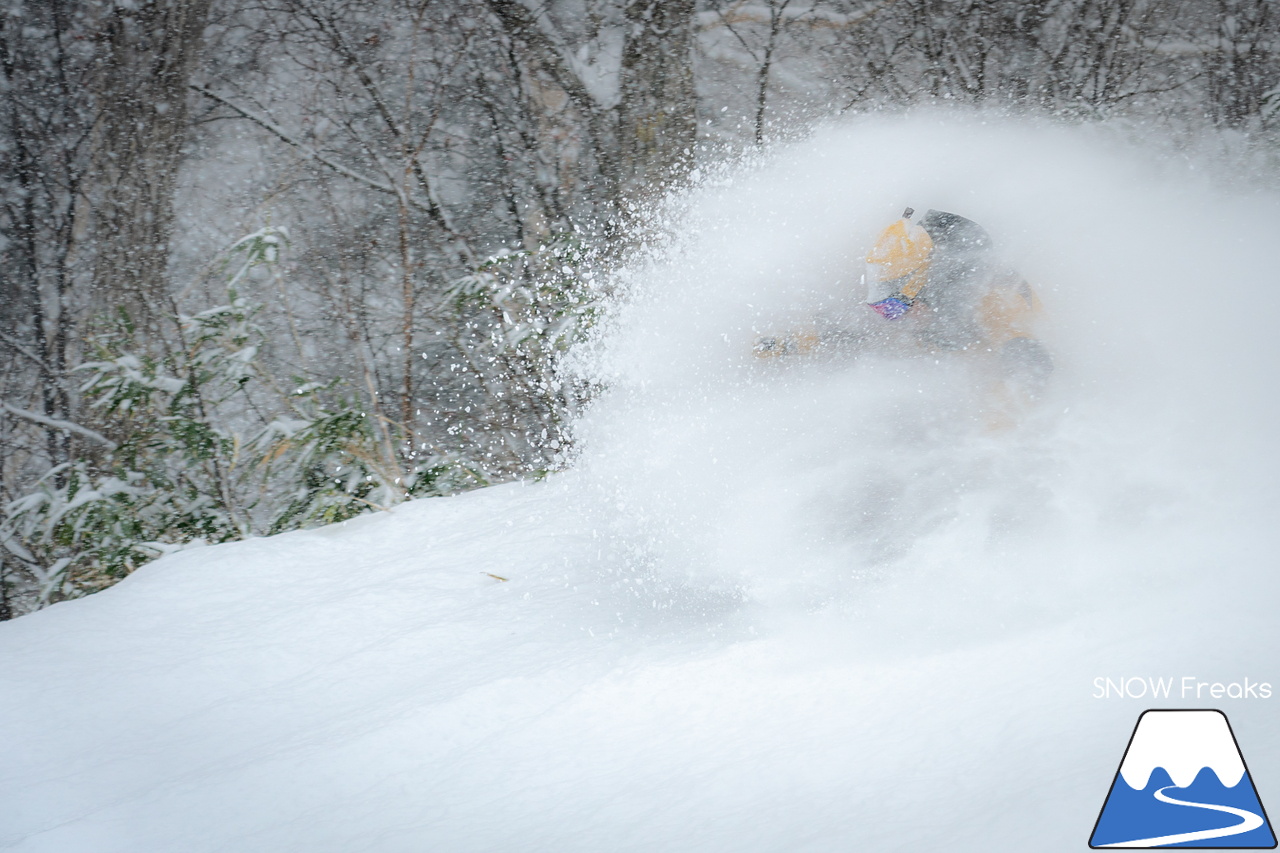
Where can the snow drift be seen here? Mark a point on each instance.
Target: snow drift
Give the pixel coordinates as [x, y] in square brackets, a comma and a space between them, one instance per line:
[812, 605]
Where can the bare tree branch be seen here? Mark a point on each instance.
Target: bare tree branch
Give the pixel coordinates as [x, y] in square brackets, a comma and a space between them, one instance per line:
[306, 150]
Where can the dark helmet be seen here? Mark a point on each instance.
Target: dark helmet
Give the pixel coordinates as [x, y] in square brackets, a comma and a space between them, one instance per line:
[951, 232]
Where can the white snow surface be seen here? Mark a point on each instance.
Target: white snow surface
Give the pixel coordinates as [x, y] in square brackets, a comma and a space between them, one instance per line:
[791, 607]
[1183, 743]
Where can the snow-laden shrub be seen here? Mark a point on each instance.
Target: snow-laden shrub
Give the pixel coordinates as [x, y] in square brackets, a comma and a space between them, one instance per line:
[515, 317]
[207, 445]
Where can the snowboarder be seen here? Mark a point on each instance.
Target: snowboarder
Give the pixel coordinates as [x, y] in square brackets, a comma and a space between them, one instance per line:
[936, 285]
[944, 271]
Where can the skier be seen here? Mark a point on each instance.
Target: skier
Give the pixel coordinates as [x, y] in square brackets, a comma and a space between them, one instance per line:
[936, 285]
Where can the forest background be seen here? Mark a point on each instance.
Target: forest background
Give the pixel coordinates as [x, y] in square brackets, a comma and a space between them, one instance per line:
[268, 264]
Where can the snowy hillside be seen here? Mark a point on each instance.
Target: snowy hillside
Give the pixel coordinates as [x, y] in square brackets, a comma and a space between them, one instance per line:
[773, 607]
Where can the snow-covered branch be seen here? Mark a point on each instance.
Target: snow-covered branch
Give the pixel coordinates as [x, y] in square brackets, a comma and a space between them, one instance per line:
[58, 424]
[23, 351]
[520, 23]
[812, 16]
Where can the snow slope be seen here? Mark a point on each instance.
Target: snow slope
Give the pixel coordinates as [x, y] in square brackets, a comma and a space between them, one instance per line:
[810, 606]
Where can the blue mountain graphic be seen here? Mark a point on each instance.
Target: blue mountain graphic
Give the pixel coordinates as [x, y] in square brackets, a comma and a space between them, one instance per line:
[1131, 814]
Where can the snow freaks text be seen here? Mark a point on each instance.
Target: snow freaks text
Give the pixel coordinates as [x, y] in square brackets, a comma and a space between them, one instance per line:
[1186, 687]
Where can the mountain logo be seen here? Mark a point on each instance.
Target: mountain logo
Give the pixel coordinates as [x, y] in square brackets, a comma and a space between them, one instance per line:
[1183, 783]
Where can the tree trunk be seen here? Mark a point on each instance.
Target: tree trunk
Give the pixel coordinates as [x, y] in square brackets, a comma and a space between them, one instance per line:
[150, 51]
[657, 116]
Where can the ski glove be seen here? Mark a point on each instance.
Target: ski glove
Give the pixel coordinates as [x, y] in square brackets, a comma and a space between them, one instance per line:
[891, 308]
